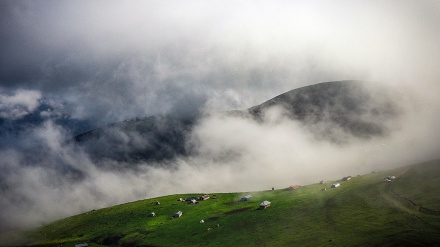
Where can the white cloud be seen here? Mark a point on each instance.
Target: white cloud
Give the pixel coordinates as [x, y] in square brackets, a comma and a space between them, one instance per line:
[21, 103]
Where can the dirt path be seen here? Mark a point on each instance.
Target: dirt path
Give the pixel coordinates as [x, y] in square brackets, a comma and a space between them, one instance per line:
[405, 202]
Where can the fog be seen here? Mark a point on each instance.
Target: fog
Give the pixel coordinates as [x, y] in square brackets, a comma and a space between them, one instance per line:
[106, 61]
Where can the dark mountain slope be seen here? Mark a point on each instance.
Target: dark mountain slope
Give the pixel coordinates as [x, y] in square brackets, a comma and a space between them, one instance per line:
[333, 111]
[347, 105]
[154, 138]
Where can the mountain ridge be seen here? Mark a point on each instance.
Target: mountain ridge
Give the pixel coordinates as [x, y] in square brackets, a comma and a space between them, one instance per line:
[326, 109]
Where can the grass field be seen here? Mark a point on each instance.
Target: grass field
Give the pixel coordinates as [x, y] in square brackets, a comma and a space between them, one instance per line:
[364, 211]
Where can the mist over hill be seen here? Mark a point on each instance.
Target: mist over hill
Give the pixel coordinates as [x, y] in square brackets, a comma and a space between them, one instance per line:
[155, 138]
[332, 111]
[325, 130]
[105, 102]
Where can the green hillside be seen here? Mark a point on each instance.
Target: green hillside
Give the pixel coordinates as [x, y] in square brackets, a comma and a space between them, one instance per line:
[365, 211]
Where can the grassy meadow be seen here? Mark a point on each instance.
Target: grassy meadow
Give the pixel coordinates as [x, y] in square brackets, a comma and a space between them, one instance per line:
[363, 211]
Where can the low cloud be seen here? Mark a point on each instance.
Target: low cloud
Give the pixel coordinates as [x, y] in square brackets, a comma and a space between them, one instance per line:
[19, 103]
[103, 62]
[231, 154]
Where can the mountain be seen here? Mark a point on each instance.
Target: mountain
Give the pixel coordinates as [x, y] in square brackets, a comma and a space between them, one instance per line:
[349, 105]
[363, 211]
[154, 138]
[332, 111]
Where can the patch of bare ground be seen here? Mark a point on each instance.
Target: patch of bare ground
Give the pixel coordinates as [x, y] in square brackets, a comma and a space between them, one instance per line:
[212, 219]
[240, 210]
[329, 205]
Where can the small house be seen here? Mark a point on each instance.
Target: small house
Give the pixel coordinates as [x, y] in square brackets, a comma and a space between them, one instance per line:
[246, 198]
[189, 199]
[335, 185]
[193, 201]
[391, 177]
[152, 214]
[292, 187]
[264, 204]
[178, 214]
[346, 178]
[204, 197]
[157, 203]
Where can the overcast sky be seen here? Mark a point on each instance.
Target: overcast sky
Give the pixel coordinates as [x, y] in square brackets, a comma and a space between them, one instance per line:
[106, 61]
[118, 59]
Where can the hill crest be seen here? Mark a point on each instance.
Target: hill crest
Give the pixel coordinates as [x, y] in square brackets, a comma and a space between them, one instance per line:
[332, 111]
[364, 210]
